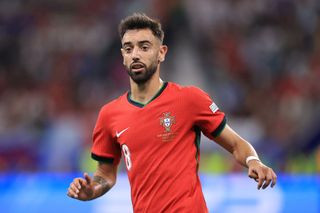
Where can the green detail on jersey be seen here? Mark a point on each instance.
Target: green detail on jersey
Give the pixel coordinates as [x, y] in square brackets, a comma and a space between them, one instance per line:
[197, 143]
[219, 129]
[101, 159]
[159, 92]
[136, 103]
[141, 105]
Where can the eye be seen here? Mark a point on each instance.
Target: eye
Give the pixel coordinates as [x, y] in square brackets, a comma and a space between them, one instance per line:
[127, 49]
[145, 47]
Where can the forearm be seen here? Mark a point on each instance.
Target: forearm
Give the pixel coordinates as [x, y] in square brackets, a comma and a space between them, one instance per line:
[101, 186]
[88, 188]
[242, 149]
[236, 145]
[103, 179]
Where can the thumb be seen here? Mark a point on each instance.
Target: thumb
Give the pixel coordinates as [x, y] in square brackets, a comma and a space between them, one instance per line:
[88, 178]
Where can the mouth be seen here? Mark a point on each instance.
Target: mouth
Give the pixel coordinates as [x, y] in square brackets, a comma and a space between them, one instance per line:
[137, 67]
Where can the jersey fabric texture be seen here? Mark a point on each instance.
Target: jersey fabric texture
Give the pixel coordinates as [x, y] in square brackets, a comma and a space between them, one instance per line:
[159, 143]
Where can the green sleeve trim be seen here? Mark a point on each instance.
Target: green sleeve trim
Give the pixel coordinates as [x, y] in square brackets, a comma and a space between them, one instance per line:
[101, 159]
[219, 129]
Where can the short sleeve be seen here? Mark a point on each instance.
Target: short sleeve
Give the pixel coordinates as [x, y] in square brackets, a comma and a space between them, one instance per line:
[104, 147]
[207, 116]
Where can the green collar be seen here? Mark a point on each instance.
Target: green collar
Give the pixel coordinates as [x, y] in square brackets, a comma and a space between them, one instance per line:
[141, 105]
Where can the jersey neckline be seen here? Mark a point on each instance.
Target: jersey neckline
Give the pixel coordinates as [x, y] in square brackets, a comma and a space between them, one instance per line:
[141, 105]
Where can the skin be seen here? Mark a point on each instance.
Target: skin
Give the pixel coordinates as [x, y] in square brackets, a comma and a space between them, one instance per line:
[88, 188]
[241, 149]
[141, 47]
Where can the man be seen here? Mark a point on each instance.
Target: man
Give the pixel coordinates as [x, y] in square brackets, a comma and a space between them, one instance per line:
[156, 127]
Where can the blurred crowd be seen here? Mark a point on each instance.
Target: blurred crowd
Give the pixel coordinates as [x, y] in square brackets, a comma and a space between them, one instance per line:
[60, 62]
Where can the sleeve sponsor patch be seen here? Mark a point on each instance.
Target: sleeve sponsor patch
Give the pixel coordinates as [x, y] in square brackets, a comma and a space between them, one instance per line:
[213, 107]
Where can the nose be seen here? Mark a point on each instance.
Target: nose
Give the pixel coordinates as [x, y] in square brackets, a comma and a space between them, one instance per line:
[135, 54]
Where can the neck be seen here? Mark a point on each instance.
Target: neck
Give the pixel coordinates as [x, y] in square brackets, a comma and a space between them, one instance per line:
[143, 93]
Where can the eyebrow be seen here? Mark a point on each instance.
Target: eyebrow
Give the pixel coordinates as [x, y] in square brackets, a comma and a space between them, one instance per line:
[144, 41]
[127, 43]
[140, 42]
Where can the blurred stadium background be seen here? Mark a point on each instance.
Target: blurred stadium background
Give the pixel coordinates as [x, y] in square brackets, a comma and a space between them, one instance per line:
[60, 62]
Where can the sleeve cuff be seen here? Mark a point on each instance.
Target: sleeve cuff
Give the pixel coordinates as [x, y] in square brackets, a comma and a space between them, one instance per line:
[219, 129]
[102, 159]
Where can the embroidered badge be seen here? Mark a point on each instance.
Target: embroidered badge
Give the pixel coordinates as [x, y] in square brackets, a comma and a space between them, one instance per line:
[167, 120]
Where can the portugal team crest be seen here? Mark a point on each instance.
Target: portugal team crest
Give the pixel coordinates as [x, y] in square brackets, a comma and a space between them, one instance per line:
[167, 120]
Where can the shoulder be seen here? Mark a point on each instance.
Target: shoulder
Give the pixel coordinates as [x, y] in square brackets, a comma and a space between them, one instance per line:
[113, 105]
[188, 91]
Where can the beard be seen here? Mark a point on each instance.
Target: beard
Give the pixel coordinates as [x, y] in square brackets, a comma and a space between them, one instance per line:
[142, 76]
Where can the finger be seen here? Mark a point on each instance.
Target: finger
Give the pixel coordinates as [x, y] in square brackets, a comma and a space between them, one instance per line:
[267, 181]
[78, 182]
[72, 193]
[274, 179]
[252, 174]
[74, 188]
[69, 194]
[87, 177]
[261, 179]
[82, 182]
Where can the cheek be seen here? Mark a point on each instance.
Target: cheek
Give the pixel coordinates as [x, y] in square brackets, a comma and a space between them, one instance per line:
[154, 57]
[152, 60]
[125, 60]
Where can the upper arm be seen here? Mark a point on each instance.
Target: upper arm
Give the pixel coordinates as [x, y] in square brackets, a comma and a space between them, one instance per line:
[105, 150]
[205, 113]
[105, 146]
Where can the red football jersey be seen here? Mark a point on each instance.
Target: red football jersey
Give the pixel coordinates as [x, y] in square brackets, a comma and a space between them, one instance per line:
[159, 142]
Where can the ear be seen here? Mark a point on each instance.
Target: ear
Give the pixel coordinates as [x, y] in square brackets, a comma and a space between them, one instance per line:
[162, 53]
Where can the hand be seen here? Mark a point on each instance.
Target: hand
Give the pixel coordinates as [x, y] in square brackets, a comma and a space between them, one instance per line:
[261, 174]
[81, 188]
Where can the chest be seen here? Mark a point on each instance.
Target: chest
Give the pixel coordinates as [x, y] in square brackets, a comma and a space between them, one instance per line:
[151, 126]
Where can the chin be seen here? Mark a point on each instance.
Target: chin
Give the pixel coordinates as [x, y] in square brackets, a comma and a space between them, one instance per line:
[140, 81]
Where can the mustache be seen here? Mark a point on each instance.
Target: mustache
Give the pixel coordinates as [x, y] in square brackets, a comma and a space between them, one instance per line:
[137, 63]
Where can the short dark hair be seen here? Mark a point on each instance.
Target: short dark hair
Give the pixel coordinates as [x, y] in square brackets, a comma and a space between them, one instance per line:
[141, 21]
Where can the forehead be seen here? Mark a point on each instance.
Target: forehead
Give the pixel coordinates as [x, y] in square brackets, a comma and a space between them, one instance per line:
[137, 35]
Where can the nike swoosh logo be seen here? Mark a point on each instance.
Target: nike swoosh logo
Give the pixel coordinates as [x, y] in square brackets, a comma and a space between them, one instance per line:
[120, 133]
